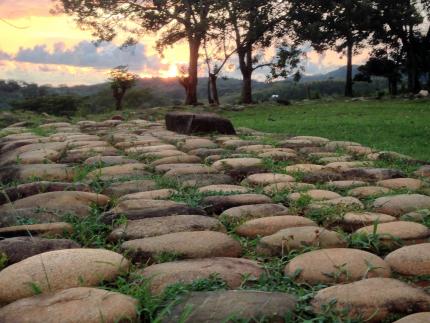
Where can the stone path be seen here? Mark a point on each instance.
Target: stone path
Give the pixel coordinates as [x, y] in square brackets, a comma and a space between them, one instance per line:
[120, 220]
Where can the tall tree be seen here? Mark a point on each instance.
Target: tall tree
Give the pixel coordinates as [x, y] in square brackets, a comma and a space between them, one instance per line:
[382, 65]
[403, 25]
[254, 25]
[218, 51]
[174, 20]
[341, 25]
[121, 80]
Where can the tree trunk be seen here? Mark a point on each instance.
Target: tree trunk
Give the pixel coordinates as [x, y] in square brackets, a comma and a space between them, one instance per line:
[209, 89]
[191, 99]
[414, 85]
[428, 81]
[392, 86]
[214, 88]
[348, 85]
[118, 96]
[245, 64]
[247, 89]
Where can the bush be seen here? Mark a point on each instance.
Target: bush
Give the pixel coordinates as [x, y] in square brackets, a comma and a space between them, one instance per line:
[60, 105]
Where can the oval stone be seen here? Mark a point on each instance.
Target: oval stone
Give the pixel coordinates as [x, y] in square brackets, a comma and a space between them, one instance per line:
[230, 270]
[411, 260]
[81, 304]
[68, 201]
[422, 317]
[60, 269]
[337, 265]
[407, 232]
[225, 306]
[17, 249]
[398, 205]
[399, 183]
[185, 245]
[239, 164]
[152, 227]
[316, 195]
[373, 299]
[267, 178]
[297, 238]
[223, 188]
[245, 212]
[368, 191]
[352, 221]
[269, 225]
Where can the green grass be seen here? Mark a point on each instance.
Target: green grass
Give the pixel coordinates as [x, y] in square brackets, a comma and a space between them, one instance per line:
[397, 125]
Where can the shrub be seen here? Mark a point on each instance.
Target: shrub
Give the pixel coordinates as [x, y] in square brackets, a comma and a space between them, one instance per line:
[60, 105]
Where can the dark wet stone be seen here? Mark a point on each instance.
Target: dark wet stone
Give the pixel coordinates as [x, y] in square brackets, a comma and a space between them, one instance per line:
[188, 123]
[20, 248]
[14, 193]
[372, 174]
[225, 306]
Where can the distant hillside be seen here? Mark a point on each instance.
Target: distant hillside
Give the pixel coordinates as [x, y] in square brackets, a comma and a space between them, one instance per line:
[153, 92]
[338, 74]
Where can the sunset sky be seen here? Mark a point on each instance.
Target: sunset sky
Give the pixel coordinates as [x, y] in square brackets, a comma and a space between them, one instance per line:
[49, 49]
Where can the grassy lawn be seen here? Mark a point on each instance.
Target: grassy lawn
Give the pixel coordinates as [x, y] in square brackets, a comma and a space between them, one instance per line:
[401, 126]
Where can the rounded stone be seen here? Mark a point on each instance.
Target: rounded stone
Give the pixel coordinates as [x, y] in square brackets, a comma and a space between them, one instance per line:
[223, 188]
[340, 204]
[368, 191]
[109, 160]
[253, 148]
[129, 187]
[270, 225]
[68, 201]
[164, 168]
[316, 195]
[230, 270]
[217, 204]
[286, 186]
[352, 221]
[399, 183]
[411, 260]
[337, 265]
[267, 178]
[238, 164]
[81, 304]
[176, 160]
[423, 317]
[112, 172]
[398, 205]
[197, 143]
[407, 232]
[225, 306]
[313, 139]
[342, 166]
[298, 238]
[278, 154]
[303, 168]
[345, 184]
[141, 209]
[373, 299]
[162, 194]
[190, 169]
[423, 171]
[185, 245]
[246, 212]
[153, 227]
[150, 149]
[60, 269]
[17, 249]
[55, 229]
